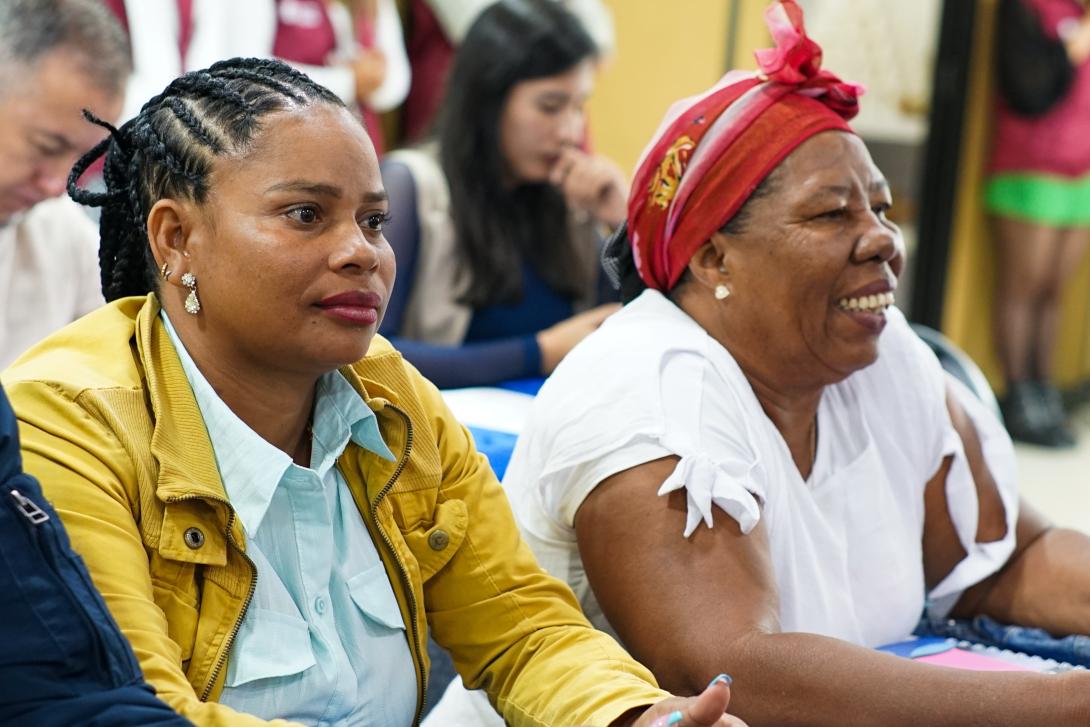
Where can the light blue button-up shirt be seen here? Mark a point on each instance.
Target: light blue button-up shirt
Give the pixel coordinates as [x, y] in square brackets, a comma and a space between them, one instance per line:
[323, 641]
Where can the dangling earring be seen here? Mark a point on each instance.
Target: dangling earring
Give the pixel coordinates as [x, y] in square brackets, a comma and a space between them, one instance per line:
[192, 303]
[164, 272]
[721, 291]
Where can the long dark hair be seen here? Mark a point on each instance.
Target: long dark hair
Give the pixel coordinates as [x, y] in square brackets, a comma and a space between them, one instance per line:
[167, 150]
[496, 226]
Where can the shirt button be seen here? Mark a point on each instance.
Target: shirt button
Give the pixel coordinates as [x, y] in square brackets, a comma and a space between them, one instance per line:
[439, 539]
[319, 605]
[193, 537]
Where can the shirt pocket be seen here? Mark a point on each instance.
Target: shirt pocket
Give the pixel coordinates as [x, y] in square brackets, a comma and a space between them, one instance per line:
[374, 596]
[269, 644]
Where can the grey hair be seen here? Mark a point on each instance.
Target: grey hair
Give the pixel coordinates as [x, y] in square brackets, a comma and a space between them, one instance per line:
[32, 29]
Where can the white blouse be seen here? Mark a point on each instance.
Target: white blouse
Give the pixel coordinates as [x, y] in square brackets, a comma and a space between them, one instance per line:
[48, 273]
[846, 543]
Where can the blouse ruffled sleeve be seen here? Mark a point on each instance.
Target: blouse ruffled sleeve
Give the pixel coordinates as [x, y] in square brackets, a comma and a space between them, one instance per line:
[728, 484]
[982, 559]
[927, 436]
[705, 410]
[673, 402]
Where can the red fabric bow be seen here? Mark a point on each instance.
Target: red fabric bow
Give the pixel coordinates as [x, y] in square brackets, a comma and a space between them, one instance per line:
[796, 60]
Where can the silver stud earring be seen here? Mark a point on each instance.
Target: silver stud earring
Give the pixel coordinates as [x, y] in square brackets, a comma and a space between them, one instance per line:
[721, 291]
[192, 302]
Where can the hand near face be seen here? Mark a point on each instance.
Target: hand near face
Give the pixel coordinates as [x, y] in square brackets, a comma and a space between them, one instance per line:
[556, 340]
[707, 710]
[592, 183]
[370, 69]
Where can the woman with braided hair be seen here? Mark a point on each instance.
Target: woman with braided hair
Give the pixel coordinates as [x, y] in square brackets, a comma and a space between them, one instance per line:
[276, 507]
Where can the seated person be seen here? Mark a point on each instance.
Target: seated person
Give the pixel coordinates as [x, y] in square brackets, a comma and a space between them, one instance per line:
[497, 226]
[56, 58]
[797, 470]
[64, 661]
[436, 27]
[275, 506]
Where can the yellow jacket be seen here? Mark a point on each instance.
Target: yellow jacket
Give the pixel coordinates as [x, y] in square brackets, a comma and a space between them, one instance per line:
[110, 427]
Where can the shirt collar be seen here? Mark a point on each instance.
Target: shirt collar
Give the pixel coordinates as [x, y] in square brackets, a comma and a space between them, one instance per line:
[250, 467]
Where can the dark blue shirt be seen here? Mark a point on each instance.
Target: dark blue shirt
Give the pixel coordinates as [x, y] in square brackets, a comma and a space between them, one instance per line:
[501, 342]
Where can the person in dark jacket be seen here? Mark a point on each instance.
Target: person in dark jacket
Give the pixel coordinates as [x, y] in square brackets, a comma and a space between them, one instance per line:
[63, 660]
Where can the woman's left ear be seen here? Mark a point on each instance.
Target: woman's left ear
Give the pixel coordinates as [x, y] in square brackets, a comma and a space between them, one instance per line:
[708, 266]
[170, 236]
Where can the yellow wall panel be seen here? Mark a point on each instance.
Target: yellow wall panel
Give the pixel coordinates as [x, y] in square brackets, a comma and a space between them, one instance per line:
[665, 51]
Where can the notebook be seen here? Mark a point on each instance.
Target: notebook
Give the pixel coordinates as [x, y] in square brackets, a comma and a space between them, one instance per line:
[967, 655]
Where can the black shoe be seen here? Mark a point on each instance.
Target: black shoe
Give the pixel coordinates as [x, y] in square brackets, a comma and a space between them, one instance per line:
[1032, 418]
[1063, 433]
[1052, 399]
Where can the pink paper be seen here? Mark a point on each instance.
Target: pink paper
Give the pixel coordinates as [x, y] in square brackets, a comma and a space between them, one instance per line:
[961, 659]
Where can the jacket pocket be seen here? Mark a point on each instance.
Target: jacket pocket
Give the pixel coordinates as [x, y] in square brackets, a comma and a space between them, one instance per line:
[374, 595]
[435, 544]
[269, 644]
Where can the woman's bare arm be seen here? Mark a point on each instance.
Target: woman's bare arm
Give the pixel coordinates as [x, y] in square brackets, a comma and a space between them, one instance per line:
[692, 608]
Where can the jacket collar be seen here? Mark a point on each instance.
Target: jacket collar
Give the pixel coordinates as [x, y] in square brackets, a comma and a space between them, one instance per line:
[180, 441]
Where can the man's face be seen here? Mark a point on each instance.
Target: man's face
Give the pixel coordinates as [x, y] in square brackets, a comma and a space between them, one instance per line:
[42, 132]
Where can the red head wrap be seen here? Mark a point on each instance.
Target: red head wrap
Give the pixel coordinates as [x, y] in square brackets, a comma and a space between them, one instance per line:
[713, 150]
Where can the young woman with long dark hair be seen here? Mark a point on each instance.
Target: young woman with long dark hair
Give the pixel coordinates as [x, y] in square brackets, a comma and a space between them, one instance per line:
[497, 220]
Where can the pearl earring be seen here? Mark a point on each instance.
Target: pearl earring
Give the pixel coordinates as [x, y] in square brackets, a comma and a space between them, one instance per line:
[192, 302]
[721, 291]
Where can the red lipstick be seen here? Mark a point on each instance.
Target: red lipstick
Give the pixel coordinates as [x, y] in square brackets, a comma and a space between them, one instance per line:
[354, 307]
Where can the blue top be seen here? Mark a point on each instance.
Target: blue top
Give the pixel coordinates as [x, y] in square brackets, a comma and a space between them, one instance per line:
[501, 342]
[323, 641]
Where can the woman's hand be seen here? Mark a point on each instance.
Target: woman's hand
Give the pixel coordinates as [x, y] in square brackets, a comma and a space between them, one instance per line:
[707, 710]
[369, 66]
[555, 341]
[1075, 35]
[592, 183]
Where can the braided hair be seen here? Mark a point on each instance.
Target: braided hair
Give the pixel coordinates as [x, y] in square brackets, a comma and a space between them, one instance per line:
[167, 151]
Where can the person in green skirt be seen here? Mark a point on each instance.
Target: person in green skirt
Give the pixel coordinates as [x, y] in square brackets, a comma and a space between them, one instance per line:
[1038, 196]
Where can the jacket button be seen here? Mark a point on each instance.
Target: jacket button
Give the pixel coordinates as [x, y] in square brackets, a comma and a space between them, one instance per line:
[194, 538]
[439, 539]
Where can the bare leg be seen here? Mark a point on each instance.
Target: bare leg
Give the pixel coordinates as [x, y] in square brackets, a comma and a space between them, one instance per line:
[1071, 249]
[1026, 255]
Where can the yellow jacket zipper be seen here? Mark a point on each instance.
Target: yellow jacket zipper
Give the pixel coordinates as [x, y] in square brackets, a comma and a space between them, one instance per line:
[225, 650]
[406, 581]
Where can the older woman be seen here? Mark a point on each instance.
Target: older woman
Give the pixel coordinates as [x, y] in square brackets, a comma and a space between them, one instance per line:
[757, 463]
[275, 519]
